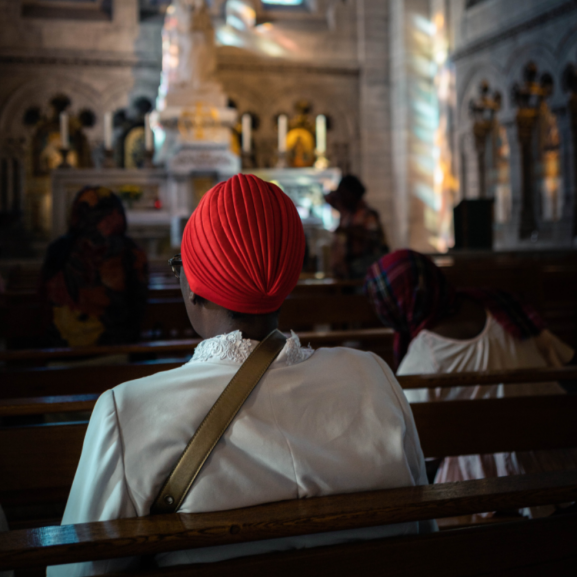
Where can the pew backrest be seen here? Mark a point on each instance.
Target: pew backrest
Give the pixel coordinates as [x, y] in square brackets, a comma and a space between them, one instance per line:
[44, 457]
[73, 381]
[151, 535]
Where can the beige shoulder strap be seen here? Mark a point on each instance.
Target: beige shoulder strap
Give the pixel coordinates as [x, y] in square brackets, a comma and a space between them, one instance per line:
[216, 422]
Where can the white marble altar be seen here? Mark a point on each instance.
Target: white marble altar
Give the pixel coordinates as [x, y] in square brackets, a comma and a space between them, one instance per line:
[150, 217]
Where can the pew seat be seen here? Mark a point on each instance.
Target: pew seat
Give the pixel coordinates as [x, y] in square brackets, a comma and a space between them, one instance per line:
[535, 547]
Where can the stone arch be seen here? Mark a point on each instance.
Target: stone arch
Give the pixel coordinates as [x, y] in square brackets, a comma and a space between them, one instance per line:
[497, 81]
[543, 55]
[117, 96]
[27, 94]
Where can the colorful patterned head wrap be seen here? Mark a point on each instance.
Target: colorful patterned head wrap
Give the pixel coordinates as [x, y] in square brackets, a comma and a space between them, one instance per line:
[410, 293]
[95, 278]
[243, 247]
[97, 210]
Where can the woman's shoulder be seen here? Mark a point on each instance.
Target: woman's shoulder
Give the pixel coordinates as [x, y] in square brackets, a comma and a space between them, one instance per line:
[420, 357]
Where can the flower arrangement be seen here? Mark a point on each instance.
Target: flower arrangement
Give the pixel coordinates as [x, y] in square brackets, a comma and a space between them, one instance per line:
[130, 193]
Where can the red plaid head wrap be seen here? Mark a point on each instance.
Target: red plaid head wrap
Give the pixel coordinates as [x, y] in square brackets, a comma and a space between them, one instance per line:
[243, 247]
[410, 293]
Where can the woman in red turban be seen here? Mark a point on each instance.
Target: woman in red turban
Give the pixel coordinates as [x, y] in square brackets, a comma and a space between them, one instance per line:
[319, 422]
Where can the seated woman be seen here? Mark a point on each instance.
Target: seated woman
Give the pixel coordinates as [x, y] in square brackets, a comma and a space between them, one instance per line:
[319, 422]
[95, 278]
[441, 330]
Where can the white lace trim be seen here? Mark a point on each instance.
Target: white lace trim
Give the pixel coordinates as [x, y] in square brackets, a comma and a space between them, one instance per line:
[232, 347]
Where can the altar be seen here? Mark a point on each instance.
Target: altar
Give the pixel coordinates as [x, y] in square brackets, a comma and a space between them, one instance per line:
[158, 202]
[195, 139]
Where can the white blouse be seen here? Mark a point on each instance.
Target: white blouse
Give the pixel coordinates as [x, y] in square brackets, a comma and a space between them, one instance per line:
[493, 349]
[321, 422]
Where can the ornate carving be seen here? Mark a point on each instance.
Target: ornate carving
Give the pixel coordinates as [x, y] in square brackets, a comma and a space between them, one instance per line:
[529, 98]
[570, 85]
[484, 109]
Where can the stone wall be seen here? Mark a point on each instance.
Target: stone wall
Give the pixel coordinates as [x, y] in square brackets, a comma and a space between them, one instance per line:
[493, 41]
[336, 57]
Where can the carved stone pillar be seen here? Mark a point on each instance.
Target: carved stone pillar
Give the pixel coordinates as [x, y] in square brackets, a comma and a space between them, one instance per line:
[526, 119]
[570, 84]
[483, 109]
[528, 98]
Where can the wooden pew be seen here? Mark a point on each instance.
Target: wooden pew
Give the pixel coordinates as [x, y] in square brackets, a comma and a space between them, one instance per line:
[537, 547]
[546, 279]
[167, 318]
[312, 302]
[31, 357]
[39, 462]
[74, 381]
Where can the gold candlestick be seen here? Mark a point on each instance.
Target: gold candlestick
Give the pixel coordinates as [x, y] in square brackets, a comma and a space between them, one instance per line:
[64, 153]
[108, 161]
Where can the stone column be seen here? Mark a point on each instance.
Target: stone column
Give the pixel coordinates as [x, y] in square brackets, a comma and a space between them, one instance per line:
[374, 82]
[526, 119]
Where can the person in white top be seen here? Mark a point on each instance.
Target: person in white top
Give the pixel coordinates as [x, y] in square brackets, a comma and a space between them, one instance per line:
[440, 330]
[320, 421]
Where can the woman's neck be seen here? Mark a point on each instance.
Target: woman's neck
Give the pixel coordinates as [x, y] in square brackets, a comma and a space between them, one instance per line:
[255, 329]
[467, 322]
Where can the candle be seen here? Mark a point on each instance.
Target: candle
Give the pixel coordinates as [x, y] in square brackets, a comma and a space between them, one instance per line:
[321, 134]
[282, 129]
[246, 135]
[64, 140]
[148, 134]
[108, 130]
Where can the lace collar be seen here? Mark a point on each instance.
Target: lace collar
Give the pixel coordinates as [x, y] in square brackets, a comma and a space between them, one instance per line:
[233, 348]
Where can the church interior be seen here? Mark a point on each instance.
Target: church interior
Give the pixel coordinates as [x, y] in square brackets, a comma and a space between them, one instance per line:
[429, 151]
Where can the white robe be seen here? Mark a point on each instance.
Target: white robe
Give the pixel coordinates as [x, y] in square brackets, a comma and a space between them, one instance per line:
[319, 423]
[493, 349]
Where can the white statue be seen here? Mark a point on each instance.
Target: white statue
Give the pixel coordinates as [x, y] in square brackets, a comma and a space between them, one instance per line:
[189, 56]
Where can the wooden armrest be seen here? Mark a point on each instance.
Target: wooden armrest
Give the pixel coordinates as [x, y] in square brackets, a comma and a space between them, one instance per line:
[150, 535]
[507, 377]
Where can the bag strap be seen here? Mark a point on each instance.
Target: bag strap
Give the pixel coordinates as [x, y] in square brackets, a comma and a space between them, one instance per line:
[216, 423]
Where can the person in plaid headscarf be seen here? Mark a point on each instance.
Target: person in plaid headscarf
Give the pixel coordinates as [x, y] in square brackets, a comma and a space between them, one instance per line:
[439, 329]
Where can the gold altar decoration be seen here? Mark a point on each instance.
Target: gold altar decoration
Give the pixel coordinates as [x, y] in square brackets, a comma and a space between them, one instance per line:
[196, 124]
[301, 136]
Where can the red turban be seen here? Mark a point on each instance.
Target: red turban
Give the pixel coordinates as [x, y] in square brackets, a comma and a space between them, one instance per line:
[243, 247]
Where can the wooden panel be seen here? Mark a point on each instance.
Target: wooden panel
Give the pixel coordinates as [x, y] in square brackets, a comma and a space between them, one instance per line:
[445, 428]
[187, 346]
[76, 380]
[299, 313]
[496, 425]
[507, 377]
[38, 457]
[149, 535]
[46, 405]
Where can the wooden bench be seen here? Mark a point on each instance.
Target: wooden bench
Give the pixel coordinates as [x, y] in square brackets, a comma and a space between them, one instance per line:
[39, 461]
[167, 318]
[381, 337]
[55, 382]
[523, 548]
[311, 303]
[546, 279]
